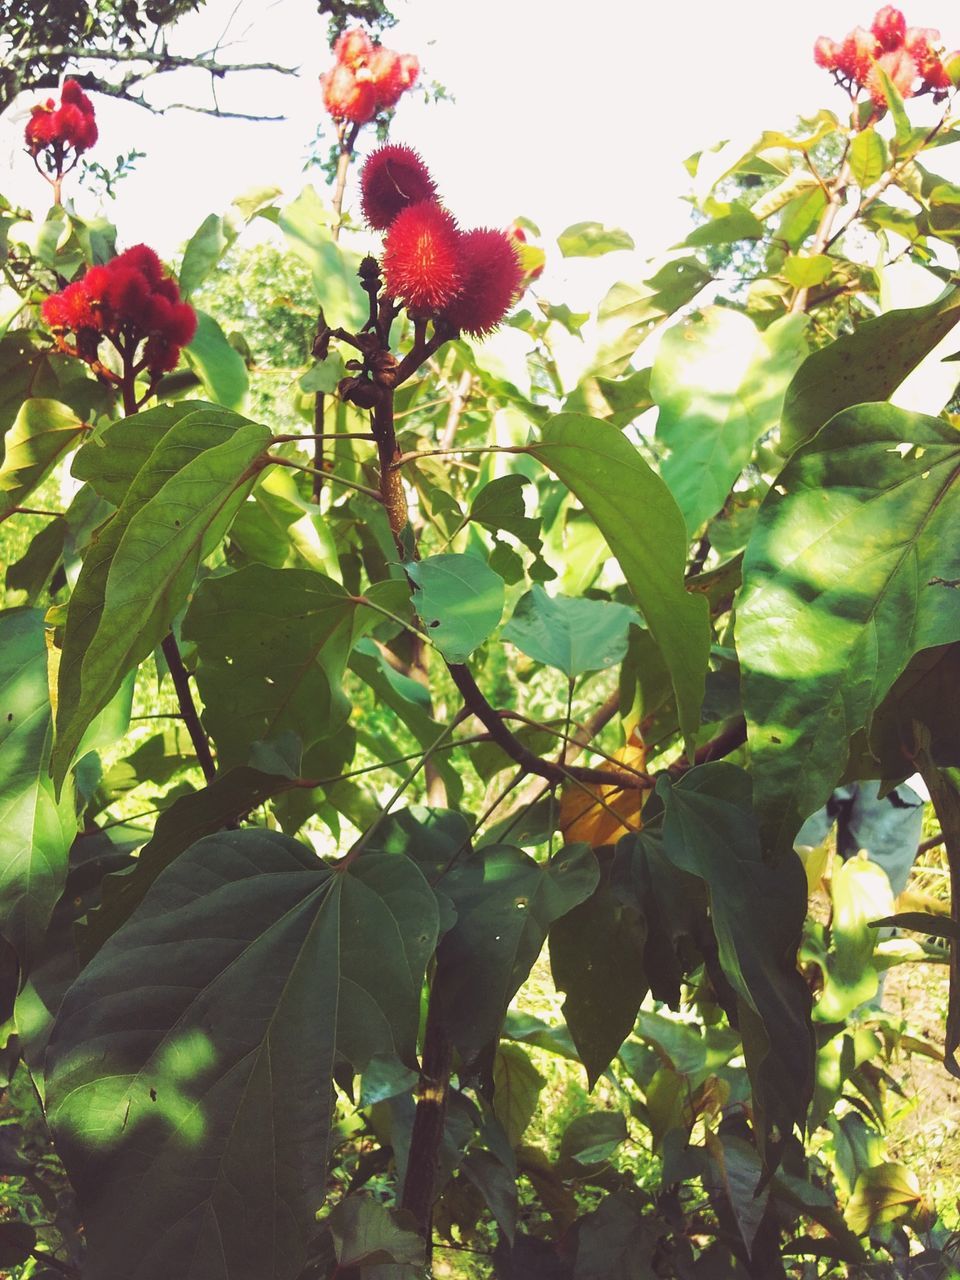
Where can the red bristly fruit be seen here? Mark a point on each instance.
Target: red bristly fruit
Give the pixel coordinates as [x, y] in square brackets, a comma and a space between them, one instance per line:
[128, 300]
[70, 126]
[393, 178]
[366, 78]
[492, 277]
[421, 258]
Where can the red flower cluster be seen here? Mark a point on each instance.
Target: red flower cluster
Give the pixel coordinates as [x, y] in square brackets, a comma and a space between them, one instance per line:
[366, 78]
[128, 300]
[912, 57]
[71, 125]
[469, 279]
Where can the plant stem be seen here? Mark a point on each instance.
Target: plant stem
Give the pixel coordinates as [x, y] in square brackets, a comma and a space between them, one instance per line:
[432, 1092]
[329, 475]
[181, 683]
[347, 144]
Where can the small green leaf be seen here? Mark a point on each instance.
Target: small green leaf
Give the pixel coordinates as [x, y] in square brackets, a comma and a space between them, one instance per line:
[859, 891]
[307, 225]
[738, 224]
[42, 434]
[921, 922]
[217, 364]
[868, 157]
[499, 507]
[592, 240]
[573, 634]
[204, 250]
[644, 529]
[516, 1089]
[460, 600]
[805, 269]
[593, 1137]
[886, 1193]
[366, 1233]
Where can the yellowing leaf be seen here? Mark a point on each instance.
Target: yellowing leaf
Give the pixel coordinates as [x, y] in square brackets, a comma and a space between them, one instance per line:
[597, 815]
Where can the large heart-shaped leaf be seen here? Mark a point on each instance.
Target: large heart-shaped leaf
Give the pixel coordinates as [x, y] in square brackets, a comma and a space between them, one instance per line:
[190, 1069]
[273, 644]
[139, 571]
[850, 570]
[644, 529]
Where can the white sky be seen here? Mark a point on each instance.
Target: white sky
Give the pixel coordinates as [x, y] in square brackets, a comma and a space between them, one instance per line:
[563, 112]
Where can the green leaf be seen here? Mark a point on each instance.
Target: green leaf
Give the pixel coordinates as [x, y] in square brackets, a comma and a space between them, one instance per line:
[204, 250]
[903, 132]
[592, 240]
[516, 1090]
[499, 507]
[204, 1112]
[859, 892]
[573, 634]
[460, 600]
[498, 1186]
[719, 383]
[44, 431]
[596, 957]
[505, 904]
[738, 224]
[886, 1193]
[592, 1138]
[110, 460]
[868, 364]
[921, 922]
[306, 223]
[217, 364]
[868, 157]
[644, 529]
[366, 1233]
[617, 1241]
[36, 830]
[806, 269]
[842, 585]
[273, 644]
[188, 819]
[136, 576]
[757, 909]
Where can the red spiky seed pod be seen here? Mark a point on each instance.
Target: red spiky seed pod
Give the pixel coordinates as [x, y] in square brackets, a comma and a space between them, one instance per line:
[826, 53]
[901, 69]
[408, 70]
[421, 258]
[393, 178]
[857, 54]
[353, 48]
[347, 97]
[889, 27]
[492, 277]
[72, 124]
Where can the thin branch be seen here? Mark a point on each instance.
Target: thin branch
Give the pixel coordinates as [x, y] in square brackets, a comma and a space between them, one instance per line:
[181, 683]
[501, 735]
[327, 475]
